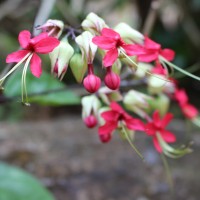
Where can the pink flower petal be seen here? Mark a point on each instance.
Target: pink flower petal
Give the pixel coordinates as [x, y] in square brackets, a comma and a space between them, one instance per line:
[168, 136]
[166, 119]
[189, 111]
[46, 45]
[116, 107]
[107, 32]
[38, 38]
[157, 145]
[181, 96]
[156, 119]
[104, 42]
[150, 44]
[35, 65]
[148, 57]
[16, 56]
[110, 115]
[110, 57]
[24, 38]
[134, 124]
[107, 128]
[150, 129]
[168, 54]
[133, 49]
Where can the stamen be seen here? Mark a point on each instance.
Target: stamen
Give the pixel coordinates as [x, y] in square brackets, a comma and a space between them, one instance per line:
[14, 68]
[123, 52]
[23, 81]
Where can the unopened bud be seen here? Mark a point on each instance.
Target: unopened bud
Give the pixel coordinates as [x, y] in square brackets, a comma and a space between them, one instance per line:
[53, 27]
[92, 83]
[88, 49]
[105, 137]
[156, 84]
[90, 121]
[93, 23]
[60, 58]
[112, 80]
[129, 34]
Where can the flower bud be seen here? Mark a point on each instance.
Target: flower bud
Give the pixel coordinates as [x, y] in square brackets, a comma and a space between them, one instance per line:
[134, 100]
[105, 137]
[112, 80]
[92, 83]
[90, 121]
[60, 58]
[88, 49]
[156, 84]
[93, 23]
[142, 69]
[53, 27]
[129, 34]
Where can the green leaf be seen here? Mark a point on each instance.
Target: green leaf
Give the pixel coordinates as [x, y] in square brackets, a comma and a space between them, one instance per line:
[16, 184]
[45, 90]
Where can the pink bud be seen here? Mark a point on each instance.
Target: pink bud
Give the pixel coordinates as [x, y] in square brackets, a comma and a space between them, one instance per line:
[105, 137]
[92, 83]
[112, 80]
[90, 121]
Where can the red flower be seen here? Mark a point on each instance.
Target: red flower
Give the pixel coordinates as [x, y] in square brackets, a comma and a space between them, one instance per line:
[112, 119]
[157, 126]
[153, 50]
[42, 44]
[112, 42]
[188, 109]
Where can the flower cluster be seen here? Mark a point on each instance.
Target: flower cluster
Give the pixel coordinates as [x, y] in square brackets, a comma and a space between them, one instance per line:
[122, 57]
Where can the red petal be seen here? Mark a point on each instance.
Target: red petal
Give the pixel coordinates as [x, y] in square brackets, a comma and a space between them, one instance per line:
[35, 65]
[134, 49]
[104, 42]
[110, 115]
[110, 57]
[24, 38]
[156, 118]
[150, 44]
[150, 129]
[107, 128]
[181, 96]
[116, 107]
[16, 56]
[168, 54]
[166, 119]
[157, 145]
[107, 32]
[46, 45]
[135, 124]
[38, 38]
[148, 57]
[168, 136]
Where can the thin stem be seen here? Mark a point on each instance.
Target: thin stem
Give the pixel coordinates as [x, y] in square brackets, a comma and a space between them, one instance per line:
[168, 171]
[130, 142]
[179, 69]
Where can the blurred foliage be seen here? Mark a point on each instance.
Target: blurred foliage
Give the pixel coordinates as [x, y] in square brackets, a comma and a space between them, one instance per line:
[45, 90]
[16, 184]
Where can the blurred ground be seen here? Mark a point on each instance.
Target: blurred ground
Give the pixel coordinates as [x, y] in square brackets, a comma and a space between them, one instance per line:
[73, 164]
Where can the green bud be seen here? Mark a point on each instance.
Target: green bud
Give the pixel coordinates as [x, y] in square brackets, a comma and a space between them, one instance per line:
[156, 84]
[78, 67]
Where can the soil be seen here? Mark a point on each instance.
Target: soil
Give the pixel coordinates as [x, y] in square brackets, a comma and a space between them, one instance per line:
[71, 162]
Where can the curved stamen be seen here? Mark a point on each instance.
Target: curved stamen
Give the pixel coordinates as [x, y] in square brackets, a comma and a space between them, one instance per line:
[123, 52]
[23, 81]
[14, 68]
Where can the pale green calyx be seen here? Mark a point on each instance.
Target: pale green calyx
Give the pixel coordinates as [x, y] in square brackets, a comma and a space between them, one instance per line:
[60, 58]
[129, 34]
[134, 100]
[93, 23]
[90, 104]
[88, 49]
